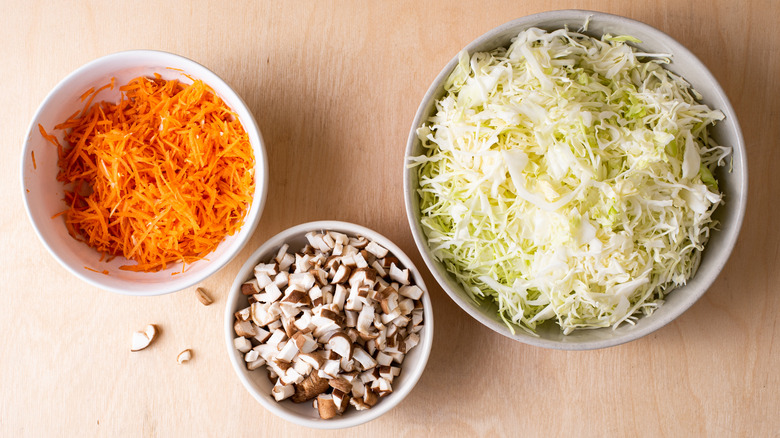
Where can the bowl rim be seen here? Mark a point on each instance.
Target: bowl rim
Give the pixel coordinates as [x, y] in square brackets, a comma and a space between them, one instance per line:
[357, 417]
[252, 217]
[468, 306]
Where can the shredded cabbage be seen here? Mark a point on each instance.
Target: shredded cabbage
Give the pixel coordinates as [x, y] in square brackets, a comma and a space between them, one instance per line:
[568, 178]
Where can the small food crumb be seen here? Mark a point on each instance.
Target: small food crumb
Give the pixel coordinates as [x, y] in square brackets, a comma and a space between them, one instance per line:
[203, 297]
[184, 356]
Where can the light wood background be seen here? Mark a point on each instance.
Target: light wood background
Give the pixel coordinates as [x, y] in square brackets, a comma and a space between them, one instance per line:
[334, 87]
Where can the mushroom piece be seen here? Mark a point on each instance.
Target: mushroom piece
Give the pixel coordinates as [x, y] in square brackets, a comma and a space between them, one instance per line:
[291, 376]
[242, 344]
[339, 237]
[411, 341]
[303, 321]
[411, 291]
[143, 338]
[350, 319]
[301, 281]
[359, 404]
[380, 271]
[365, 320]
[341, 384]
[406, 306]
[365, 360]
[302, 263]
[288, 352]
[370, 397]
[362, 277]
[341, 399]
[263, 313]
[315, 359]
[383, 359]
[251, 287]
[339, 296]
[296, 298]
[263, 280]
[281, 391]
[281, 254]
[389, 301]
[399, 275]
[286, 261]
[341, 344]
[268, 269]
[360, 261]
[376, 249]
[330, 369]
[326, 407]
[305, 342]
[277, 336]
[251, 366]
[302, 367]
[359, 242]
[358, 388]
[245, 329]
[244, 314]
[251, 356]
[203, 297]
[342, 274]
[381, 387]
[309, 388]
[271, 294]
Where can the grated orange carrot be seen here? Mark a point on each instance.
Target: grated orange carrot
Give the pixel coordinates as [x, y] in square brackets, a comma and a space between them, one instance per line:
[160, 177]
[32, 154]
[104, 271]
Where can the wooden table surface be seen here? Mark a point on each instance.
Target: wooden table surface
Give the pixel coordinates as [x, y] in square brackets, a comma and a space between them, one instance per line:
[334, 87]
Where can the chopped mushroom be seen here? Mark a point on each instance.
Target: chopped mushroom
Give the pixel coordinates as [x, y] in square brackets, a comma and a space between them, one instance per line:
[242, 344]
[331, 322]
[184, 356]
[310, 387]
[143, 338]
[326, 406]
[281, 392]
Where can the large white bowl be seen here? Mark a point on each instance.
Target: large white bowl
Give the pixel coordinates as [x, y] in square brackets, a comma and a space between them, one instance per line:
[43, 194]
[733, 184]
[257, 382]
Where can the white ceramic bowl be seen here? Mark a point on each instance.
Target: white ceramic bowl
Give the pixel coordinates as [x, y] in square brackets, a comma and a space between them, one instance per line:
[43, 194]
[257, 382]
[733, 184]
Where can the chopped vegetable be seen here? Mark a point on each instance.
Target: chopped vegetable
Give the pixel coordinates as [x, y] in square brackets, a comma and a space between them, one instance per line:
[160, 177]
[568, 178]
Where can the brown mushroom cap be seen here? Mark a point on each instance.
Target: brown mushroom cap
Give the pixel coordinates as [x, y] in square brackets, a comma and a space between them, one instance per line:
[326, 407]
[312, 386]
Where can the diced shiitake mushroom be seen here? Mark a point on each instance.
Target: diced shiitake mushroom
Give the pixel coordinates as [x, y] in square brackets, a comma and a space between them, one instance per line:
[331, 323]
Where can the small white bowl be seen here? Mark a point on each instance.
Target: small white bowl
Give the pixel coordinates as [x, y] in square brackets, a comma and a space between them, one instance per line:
[257, 382]
[43, 194]
[733, 184]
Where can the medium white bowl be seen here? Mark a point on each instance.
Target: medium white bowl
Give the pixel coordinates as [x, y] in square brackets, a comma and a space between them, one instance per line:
[257, 382]
[733, 184]
[43, 194]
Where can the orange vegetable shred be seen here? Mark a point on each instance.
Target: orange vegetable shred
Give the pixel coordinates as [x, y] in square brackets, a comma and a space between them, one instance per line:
[160, 177]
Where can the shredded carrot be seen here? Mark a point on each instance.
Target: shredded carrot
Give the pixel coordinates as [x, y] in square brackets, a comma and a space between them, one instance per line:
[104, 271]
[35, 166]
[160, 177]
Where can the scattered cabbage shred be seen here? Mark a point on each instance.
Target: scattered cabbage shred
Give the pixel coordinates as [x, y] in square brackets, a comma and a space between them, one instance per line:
[568, 178]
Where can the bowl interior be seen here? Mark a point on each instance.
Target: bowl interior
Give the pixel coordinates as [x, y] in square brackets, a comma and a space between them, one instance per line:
[43, 194]
[257, 381]
[733, 183]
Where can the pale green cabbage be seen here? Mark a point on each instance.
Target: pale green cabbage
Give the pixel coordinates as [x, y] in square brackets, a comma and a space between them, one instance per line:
[568, 178]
